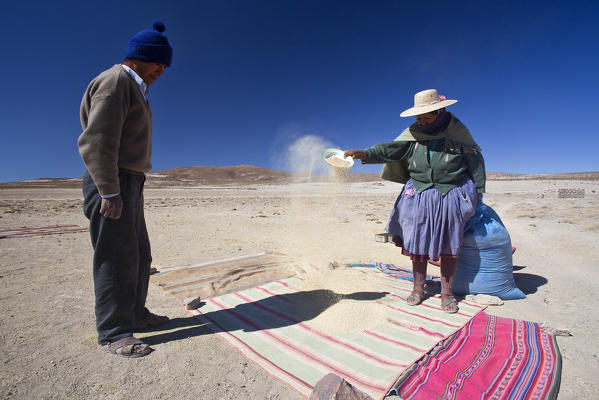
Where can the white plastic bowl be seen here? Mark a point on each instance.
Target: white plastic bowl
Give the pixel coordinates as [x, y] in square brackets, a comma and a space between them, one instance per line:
[335, 158]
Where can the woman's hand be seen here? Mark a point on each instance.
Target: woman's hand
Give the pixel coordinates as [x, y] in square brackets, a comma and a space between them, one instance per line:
[359, 154]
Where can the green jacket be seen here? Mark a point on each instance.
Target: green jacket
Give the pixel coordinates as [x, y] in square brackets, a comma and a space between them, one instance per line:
[441, 161]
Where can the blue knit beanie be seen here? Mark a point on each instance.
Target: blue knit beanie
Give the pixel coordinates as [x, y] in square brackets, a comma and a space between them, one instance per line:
[151, 45]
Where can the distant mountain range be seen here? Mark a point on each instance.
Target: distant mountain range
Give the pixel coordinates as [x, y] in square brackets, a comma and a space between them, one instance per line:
[250, 175]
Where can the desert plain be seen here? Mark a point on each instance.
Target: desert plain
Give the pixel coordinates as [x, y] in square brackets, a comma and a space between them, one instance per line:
[48, 342]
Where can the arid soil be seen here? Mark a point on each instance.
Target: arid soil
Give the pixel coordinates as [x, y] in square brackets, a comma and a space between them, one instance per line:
[47, 332]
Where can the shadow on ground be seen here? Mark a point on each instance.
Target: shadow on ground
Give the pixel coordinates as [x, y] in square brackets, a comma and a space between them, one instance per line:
[268, 313]
[528, 283]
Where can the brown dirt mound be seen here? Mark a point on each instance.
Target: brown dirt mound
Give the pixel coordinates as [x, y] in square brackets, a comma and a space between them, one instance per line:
[235, 175]
[227, 175]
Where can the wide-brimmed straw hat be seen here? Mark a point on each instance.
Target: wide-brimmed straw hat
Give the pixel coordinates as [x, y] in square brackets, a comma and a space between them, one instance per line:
[427, 101]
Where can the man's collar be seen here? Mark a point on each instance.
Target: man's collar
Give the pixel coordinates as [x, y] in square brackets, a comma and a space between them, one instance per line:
[143, 87]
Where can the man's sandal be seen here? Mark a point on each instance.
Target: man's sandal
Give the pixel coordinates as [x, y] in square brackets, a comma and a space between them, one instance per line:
[151, 321]
[415, 298]
[449, 305]
[128, 347]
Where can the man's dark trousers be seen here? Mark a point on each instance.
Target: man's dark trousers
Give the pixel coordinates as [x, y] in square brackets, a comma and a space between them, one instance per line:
[122, 258]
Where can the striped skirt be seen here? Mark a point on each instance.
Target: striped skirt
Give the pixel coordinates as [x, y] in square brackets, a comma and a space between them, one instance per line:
[428, 225]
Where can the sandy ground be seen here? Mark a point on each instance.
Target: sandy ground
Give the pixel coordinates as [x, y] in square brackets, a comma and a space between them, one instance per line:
[47, 334]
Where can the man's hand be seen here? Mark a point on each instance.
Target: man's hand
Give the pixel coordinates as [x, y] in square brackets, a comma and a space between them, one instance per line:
[112, 207]
[359, 154]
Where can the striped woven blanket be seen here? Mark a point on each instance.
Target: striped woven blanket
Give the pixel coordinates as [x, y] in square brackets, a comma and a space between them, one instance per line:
[490, 358]
[269, 325]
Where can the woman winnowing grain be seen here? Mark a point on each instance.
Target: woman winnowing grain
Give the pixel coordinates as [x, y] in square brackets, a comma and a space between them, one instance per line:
[444, 174]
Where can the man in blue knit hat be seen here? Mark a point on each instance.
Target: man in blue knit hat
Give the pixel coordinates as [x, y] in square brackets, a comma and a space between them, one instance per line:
[116, 148]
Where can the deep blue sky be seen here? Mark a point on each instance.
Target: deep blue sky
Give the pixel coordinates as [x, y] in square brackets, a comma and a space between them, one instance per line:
[249, 77]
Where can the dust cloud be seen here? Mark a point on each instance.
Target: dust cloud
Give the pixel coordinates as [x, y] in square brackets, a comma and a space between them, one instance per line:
[304, 156]
[326, 191]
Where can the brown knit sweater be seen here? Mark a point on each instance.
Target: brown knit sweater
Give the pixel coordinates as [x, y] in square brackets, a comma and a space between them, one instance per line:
[117, 129]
